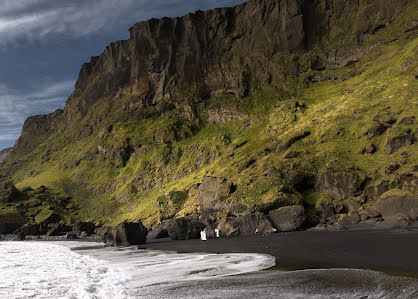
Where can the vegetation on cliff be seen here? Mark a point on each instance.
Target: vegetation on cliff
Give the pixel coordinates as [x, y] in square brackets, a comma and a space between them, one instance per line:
[326, 121]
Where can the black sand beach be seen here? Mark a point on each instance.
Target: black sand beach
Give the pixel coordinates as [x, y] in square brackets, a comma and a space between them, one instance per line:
[390, 251]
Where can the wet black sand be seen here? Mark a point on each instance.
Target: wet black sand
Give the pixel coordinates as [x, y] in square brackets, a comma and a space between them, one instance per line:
[394, 252]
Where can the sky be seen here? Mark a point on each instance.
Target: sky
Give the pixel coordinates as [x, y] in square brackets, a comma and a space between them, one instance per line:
[43, 44]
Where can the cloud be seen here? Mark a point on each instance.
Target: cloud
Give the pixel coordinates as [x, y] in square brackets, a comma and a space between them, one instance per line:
[16, 106]
[37, 19]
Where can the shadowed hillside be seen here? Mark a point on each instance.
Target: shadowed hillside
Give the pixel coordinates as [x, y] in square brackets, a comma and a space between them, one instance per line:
[275, 113]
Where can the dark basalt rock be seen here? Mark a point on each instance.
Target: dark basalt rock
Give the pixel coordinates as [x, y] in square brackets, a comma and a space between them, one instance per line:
[397, 205]
[58, 229]
[125, 234]
[213, 193]
[244, 225]
[159, 231]
[44, 225]
[376, 131]
[80, 227]
[28, 230]
[394, 143]
[341, 184]
[184, 228]
[288, 218]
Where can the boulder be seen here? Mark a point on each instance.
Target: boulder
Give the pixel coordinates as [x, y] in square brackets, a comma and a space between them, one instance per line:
[288, 218]
[184, 228]
[349, 219]
[396, 205]
[247, 224]
[87, 227]
[125, 234]
[395, 142]
[376, 130]
[8, 227]
[57, 229]
[341, 184]
[369, 149]
[28, 230]
[45, 220]
[213, 193]
[157, 232]
[71, 236]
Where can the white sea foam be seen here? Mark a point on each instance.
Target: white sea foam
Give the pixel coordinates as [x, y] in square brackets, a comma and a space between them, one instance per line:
[54, 270]
[40, 269]
[87, 270]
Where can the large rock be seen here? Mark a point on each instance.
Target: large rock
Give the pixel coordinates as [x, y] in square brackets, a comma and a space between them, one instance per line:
[28, 230]
[243, 225]
[157, 232]
[87, 227]
[395, 142]
[288, 218]
[57, 229]
[340, 184]
[213, 193]
[45, 220]
[125, 234]
[184, 228]
[397, 204]
[8, 227]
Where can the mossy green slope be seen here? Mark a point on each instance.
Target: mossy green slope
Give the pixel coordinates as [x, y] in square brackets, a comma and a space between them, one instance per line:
[121, 161]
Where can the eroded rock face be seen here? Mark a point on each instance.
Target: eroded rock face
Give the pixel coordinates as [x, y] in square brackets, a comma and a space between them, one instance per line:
[395, 142]
[159, 231]
[341, 184]
[213, 193]
[87, 227]
[244, 225]
[288, 218]
[36, 130]
[5, 153]
[397, 204]
[221, 50]
[184, 228]
[125, 234]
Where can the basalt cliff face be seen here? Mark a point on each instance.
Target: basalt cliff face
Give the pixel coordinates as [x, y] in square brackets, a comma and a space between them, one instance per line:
[283, 114]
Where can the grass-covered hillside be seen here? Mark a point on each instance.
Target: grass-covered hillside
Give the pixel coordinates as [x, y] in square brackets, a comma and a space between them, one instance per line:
[334, 141]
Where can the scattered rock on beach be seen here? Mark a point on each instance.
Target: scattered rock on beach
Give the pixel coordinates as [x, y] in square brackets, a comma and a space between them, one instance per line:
[87, 227]
[397, 206]
[125, 234]
[159, 231]
[288, 218]
[28, 230]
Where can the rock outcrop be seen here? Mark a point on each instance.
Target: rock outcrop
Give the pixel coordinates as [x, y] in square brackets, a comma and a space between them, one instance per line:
[5, 153]
[125, 234]
[397, 206]
[213, 194]
[288, 218]
[184, 228]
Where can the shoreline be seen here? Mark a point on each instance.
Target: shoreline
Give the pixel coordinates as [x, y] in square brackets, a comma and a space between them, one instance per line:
[389, 251]
[392, 252]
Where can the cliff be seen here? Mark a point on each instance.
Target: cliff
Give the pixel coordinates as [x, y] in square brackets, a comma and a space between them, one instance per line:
[4, 153]
[256, 112]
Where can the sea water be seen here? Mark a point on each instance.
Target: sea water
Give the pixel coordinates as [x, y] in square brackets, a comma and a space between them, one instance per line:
[88, 270]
